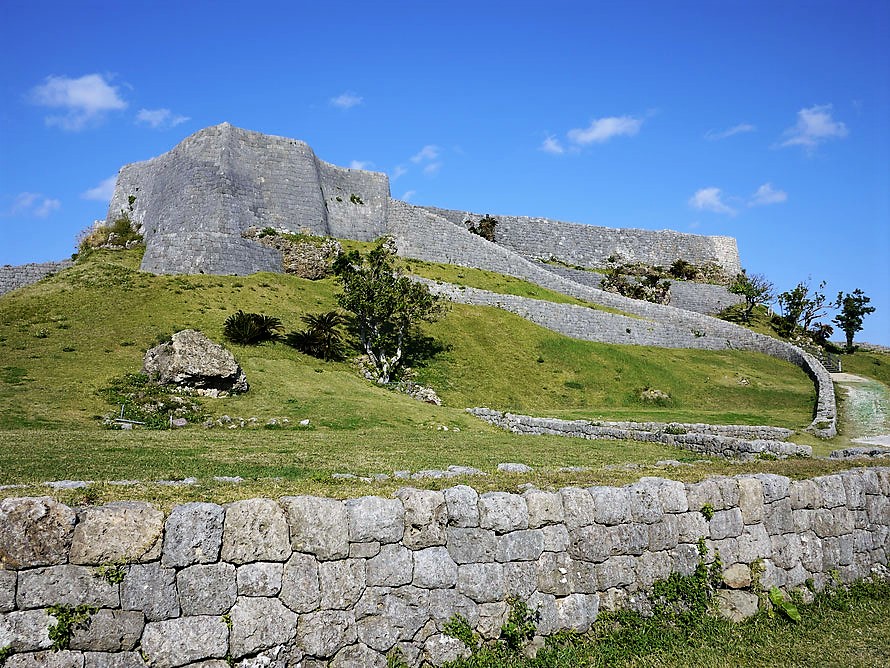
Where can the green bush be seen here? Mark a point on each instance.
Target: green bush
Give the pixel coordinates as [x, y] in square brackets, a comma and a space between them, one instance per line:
[251, 328]
[323, 338]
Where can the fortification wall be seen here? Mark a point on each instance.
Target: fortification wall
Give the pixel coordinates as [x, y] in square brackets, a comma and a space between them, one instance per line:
[590, 246]
[699, 297]
[307, 578]
[426, 236]
[13, 277]
[362, 217]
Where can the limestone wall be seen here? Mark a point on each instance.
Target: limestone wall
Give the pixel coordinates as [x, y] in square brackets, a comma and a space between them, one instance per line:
[272, 583]
[590, 245]
[13, 277]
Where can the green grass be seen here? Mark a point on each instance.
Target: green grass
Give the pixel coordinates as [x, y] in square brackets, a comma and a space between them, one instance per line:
[64, 339]
[872, 365]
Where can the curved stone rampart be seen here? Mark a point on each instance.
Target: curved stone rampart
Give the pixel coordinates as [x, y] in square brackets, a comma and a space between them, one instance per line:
[311, 579]
[729, 441]
[13, 277]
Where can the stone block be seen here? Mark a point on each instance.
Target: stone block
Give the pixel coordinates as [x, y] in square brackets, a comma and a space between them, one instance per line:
[426, 516]
[548, 614]
[578, 507]
[594, 543]
[484, 583]
[121, 531]
[544, 508]
[556, 574]
[878, 509]
[811, 552]
[207, 589]
[372, 518]
[502, 512]
[556, 538]
[704, 493]
[26, 631]
[577, 612]
[736, 605]
[726, 524]
[691, 526]
[611, 505]
[751, 500]
[127, 660]
[471, 545]
[461, 502]
[299, 583]
[628, 539]
[319, 526]
[616, 571]
[377, 632]
[65, 585]
[259, 624]
[34, 532]
[440, 649]
[663, 535]
[777, 517]
[178, 642]
[61, 659]
[341, 583]
[434, 568]
[193, 535]
[492, 617]
[685, 558]
[358, 655]
[364, 550]
[110, 631]
[524, 545]
[392, 567]
[151, 589]
[445, 603]
[804, 494]
[652, 566]
[261, 578]
[786, 550]
[7, 590]
[255, 530]
[324, 633]
[645, 504]
[671, 494]
[831, 489]
[520, 579]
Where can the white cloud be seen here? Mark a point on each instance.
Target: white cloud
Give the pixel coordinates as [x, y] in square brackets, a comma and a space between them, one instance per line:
[766, 194]
[710, 199]
[603, 129]
[398, 171]
[103, 191]
[33, 204]
[346, 100]
[360, 164]
[408, 195]
[814, 126]
[160, 118]
[432, 168]
[85, 100]
[552, 145]
[741, 128]
[428, 152]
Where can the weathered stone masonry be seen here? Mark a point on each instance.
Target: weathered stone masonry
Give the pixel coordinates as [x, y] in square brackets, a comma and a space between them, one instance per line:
[322, 580]
[15, 277]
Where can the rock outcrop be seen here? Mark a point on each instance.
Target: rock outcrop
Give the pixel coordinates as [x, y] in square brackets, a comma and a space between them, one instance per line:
[192, 361]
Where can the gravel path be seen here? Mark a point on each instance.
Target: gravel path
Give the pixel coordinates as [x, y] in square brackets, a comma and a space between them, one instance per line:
[867, 408]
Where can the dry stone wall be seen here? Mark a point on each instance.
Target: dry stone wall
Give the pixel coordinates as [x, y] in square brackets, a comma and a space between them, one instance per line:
[13, 277]
[344, 583]
[591, 246]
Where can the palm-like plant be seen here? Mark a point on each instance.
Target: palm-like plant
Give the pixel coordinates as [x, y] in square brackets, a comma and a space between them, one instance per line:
[322, 338]
[251, 328]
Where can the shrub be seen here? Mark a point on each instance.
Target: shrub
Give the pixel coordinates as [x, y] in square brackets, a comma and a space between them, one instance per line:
[122, 233]
[148, 402]
[683, 270]
[251, 328]
[484, 228]
[323, 338]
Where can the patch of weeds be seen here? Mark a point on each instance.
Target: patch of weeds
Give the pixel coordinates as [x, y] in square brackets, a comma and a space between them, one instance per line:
[146, 401]
[520, 625]
[783, 605]
[68, 349]
[13, 375]
[355, 199]
[395, 658]
[707, 511]
[5, 653]
[675, 430]
[41, 333]
[88, 497]
[68, 620]
[113, 572]
[459, 628]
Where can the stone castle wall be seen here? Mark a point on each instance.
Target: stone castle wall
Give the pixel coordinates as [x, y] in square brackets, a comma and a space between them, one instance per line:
[317, 580]
[13, 277]
[591, 246]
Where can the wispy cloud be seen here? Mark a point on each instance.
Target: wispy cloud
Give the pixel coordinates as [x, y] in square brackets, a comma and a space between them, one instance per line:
[84, 100]
[346, 100]
[408, 195]
[710, 199]
[552, 145]
[741, 128]
[398, 171]
[102, 192]
[814, 126]
[33, 205]
[160, 119]
[428, 152]
[432, 168]
[360, 164]
[603, 129]
[766, 194]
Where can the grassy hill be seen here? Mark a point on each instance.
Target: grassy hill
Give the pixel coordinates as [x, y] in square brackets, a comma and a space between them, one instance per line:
[65, 338]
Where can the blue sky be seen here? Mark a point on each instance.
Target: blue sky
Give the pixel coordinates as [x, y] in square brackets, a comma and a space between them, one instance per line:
[765, 121]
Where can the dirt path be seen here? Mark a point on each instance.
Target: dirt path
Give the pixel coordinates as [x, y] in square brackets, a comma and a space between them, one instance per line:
[866, 409]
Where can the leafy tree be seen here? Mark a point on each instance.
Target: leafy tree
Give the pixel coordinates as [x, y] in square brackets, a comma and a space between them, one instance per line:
[386, 305]
[756, 289]
[322, 338]
[853, 308]
[800, 308]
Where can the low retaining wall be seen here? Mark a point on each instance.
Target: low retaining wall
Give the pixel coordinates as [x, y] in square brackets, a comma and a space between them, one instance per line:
[13, 277]
[272, 583]
[730, 441]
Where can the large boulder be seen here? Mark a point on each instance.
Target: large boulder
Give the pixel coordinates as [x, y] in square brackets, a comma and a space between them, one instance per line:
[194, 362]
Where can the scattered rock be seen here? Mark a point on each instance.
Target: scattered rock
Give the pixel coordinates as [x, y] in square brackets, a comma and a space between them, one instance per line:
[736, 605]
[737, 576]
[194, 362]
[511, 467]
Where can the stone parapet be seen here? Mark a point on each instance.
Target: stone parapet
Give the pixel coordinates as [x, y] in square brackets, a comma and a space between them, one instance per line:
[13, 277]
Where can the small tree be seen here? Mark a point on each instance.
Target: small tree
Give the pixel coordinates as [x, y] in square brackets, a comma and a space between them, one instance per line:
[853, 308]
[800, 308]
[386, 305]
[756, 289]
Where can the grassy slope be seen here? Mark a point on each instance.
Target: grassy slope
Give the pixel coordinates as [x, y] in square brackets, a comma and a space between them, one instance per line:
[64, 338]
